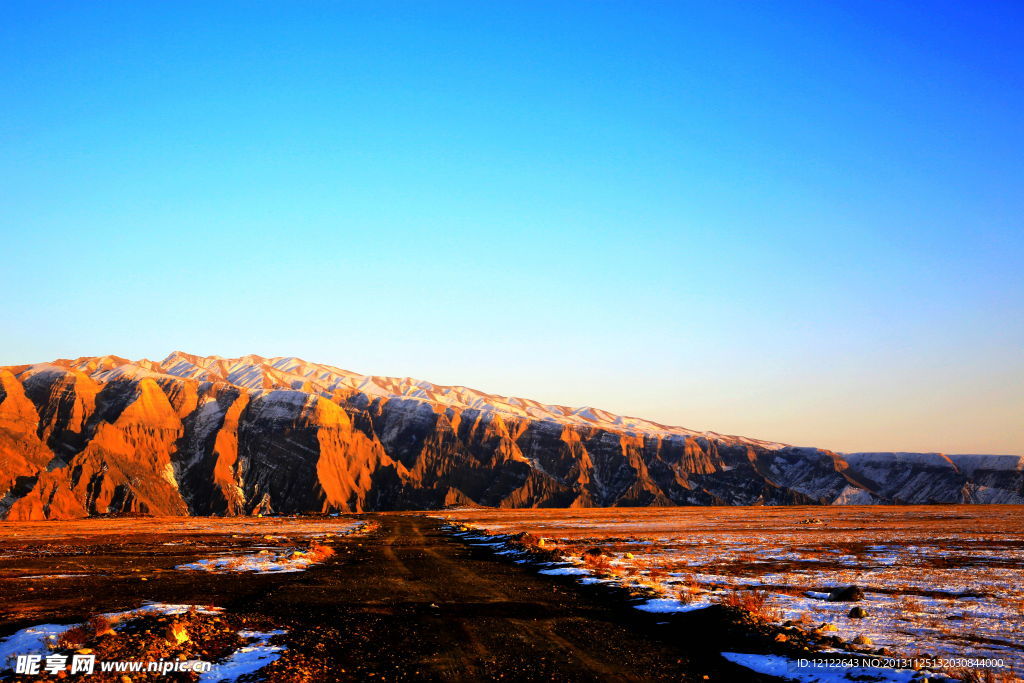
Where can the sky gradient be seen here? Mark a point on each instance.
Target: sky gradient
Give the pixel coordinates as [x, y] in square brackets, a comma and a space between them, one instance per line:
[793, 221]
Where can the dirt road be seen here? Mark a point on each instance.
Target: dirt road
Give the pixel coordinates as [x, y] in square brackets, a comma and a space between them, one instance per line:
[410, 603]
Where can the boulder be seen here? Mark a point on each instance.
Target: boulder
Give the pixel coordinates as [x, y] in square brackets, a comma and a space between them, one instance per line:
[176, 633]
[846, 594]
[525, 538]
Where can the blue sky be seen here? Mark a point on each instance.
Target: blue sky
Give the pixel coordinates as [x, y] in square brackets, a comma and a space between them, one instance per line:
[796, 221]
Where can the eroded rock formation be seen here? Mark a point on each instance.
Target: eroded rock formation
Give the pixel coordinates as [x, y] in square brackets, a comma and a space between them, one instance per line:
[213, 436]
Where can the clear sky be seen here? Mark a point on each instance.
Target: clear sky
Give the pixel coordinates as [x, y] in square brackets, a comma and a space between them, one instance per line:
[793, 221]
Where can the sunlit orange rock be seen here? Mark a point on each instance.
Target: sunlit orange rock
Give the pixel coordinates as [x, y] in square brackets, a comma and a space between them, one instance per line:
[251, 435]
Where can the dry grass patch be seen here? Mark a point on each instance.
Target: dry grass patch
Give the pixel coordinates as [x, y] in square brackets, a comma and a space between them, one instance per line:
[75, 637]
[320, 552]
[908, 604]
[756, 603]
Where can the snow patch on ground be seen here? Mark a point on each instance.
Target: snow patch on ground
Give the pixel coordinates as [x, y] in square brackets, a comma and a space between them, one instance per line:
[247, 659]
[165, 608]
[666, 605]
[54, 576]
[263, 562]
[273, 559]
[33, 640]
[565, 571]
[783, 667]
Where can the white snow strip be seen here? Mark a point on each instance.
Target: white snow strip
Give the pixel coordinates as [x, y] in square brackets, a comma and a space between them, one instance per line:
[665, 605]
[32, 640]
[166, 608]
[246, 659]
[565, 571]
[783, 667]
[53, 576]
[263, 562]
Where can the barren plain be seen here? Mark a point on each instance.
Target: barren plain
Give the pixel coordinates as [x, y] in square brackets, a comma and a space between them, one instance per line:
[545, 594]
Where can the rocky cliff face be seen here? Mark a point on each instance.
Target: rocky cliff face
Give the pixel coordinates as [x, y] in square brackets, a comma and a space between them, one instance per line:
[213, 436]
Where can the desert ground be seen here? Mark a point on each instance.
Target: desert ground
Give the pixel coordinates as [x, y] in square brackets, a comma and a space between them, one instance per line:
[938, 582]
[480, 594]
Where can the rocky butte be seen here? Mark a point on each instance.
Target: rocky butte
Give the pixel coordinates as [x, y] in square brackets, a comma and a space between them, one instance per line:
[215, 436]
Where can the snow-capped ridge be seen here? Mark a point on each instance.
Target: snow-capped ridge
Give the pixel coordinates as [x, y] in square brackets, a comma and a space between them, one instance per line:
[258, 374]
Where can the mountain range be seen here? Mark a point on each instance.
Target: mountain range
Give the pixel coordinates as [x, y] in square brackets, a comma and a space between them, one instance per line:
[195, 435]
